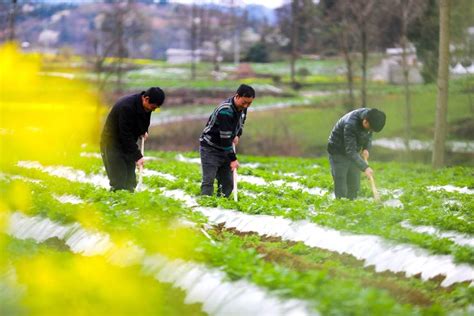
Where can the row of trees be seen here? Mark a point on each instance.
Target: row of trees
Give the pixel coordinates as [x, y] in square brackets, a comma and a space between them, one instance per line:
[358, 24]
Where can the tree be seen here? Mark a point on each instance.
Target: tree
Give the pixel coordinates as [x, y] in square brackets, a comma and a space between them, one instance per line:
[356, 23]
[462, 42]
[443, 77]
[408, 11]
[211, 26]
[236, 31]
[116, 28]
[258, 53]
[363, 13]
[294, 38]
[297, 23]
[425, 35]
[12, 18]
[337, 23]
[194, 29]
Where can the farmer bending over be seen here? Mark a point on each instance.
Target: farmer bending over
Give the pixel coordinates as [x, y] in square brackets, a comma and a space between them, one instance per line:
[351, 134]
[128, 120]
[223, 129]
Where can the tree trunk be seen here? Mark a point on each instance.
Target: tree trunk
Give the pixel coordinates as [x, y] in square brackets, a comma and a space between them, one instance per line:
[294, 39]
[364, 51]
[193, 41]
[236, 37]
[217, 52]
[406, 82]
[350, 105]
[11, 21]
[443, 76]
[121, 53]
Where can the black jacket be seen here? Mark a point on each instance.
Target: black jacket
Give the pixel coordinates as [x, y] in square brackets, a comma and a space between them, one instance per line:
[126, 122]
[223, 125]
[348, 137]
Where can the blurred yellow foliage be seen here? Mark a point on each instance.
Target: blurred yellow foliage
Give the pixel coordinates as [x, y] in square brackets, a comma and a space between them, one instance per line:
[19, 196]
[42, 117]
[47, 118]
[61, 284]
[173, 242]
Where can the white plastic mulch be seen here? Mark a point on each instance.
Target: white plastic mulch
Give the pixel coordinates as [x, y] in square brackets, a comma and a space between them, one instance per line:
[68, 173]
[68, 199]
[451, 188]
[75, 175]
[375, 251]
[460, 239]
[201, 284]
[398, 143]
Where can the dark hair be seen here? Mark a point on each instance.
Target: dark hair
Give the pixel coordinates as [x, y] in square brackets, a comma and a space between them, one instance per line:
[376, 119]
[246, 91]
[156, 95]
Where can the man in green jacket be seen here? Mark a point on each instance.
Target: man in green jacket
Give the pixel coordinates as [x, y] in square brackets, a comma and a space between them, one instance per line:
[348, 147]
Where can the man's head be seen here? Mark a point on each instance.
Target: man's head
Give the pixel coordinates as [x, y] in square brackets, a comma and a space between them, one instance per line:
[152, 98]
[243, 97]
[374, 120]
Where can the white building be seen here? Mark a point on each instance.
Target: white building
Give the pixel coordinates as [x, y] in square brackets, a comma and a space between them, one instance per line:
[182, 56]
[390, 68]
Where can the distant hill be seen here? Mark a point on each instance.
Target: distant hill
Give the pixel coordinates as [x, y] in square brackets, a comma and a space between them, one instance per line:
[49, 25]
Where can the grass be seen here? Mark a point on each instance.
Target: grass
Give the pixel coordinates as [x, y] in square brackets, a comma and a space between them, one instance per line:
[311, 125]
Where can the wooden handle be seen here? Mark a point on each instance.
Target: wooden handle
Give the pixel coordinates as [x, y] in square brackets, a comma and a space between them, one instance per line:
[373, 187]
[140, 178]
[140, 168]
[235, 176]
[235, 185]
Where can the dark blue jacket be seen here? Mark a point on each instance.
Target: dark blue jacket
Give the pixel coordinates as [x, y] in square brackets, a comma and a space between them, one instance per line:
[126, 122]
[348, 137]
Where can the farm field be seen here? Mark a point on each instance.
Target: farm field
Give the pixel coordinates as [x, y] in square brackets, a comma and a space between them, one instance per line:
[286, 246]
[303, 117]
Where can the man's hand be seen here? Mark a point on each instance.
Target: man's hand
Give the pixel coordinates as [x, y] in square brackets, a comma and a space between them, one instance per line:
[140, 162]
[369, 172]
[145, 136]
[234, 165]
[236, 140]
[365, 154]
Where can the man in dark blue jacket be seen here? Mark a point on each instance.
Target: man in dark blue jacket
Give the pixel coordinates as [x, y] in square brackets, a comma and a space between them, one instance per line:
[350, 138]
[222, 132]
[128, 120]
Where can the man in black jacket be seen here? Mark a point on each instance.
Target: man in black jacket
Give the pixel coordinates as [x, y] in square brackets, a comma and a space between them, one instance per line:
[222, 131]
[128, 120]
[351, 135]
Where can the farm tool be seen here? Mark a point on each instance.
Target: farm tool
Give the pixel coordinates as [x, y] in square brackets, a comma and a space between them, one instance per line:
[235, 179]
[140, 169]
[372, 185]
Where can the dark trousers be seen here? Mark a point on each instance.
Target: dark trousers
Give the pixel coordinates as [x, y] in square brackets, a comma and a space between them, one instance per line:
[346, 176]
[121, 172]
[215, 165]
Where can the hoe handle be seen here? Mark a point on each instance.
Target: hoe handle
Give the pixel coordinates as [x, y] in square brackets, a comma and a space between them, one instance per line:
[140, 169]
[235, 176]
[372, 185]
